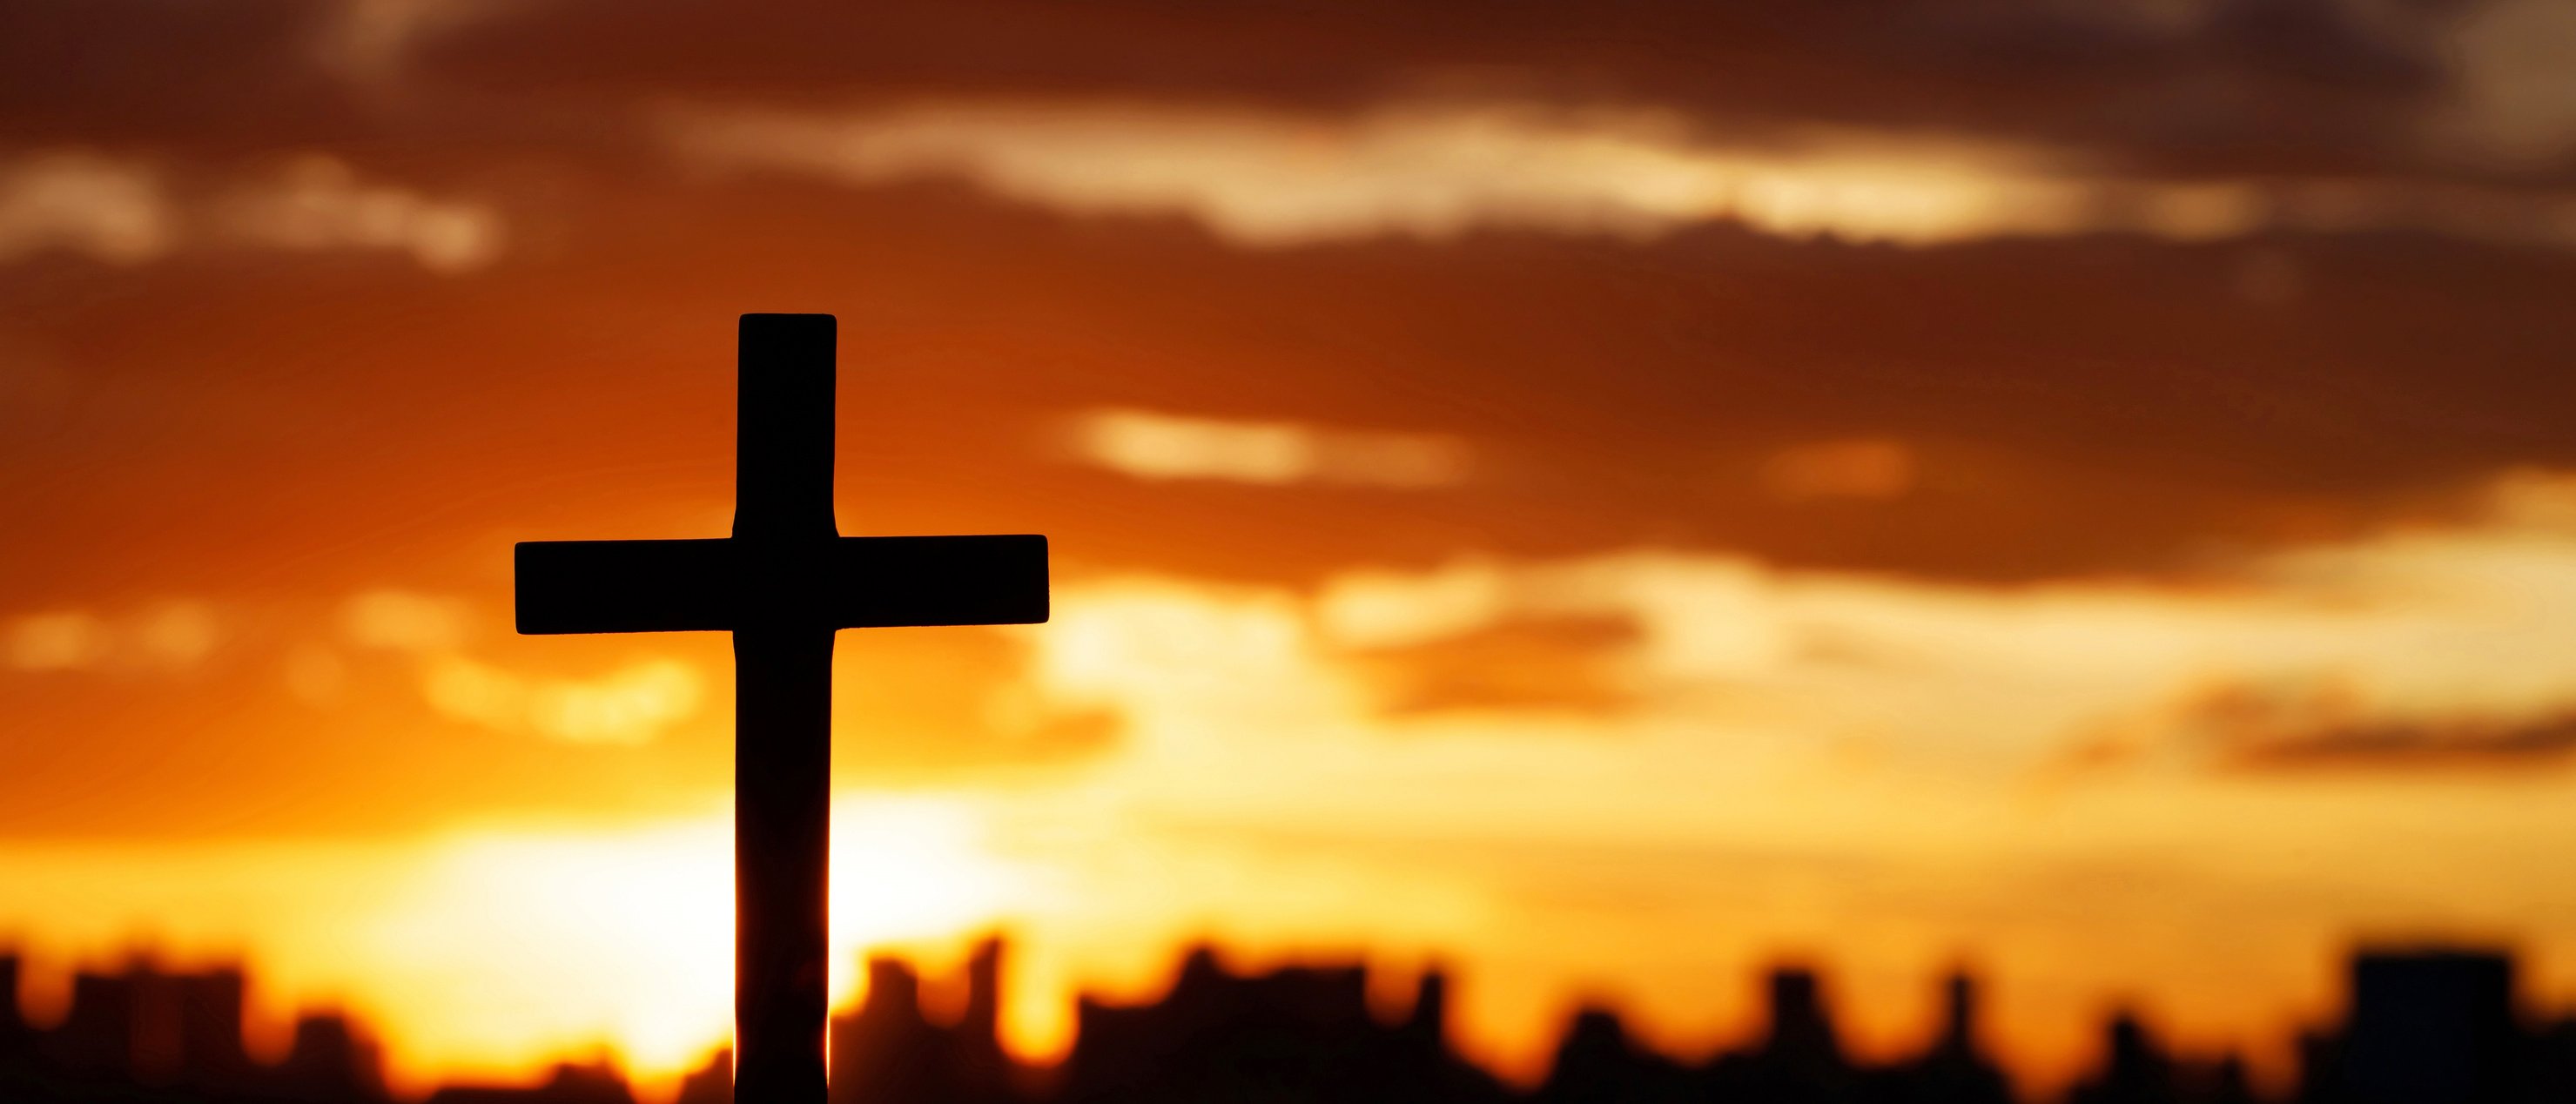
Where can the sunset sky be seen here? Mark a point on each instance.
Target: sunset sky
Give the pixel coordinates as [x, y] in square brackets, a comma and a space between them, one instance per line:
[1604, 497]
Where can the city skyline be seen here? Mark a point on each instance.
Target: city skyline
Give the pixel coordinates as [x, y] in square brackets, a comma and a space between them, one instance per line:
[2416, 1024]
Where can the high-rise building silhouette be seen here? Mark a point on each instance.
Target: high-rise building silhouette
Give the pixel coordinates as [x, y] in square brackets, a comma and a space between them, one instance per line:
[18, 1056]
[1597, 1062]
[887, 1052]
[1957, 1070]
[95, 1040]
[884, 1051]
[2422, 1027]
[328, 1061]
[206, 1013]
[711, 1083]
[983, 1070]
[2135, 1068]
[1798, 1056]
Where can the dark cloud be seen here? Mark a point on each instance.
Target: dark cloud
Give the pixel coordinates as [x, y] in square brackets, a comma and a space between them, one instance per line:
[2321, 727]
[2069, 406]
[174, 73]
[2238, 85]
[2432, 745]
[2230, 86]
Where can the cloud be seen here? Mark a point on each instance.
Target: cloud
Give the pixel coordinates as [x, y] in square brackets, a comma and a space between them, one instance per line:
[1520, 666]
[1385, 609]
[315, 675]
[2229, 85]
[371, 41]
[1864, 468]
[167, 637]
[2511, 106]
[632, 705]
[68, 640]
[2443, 645]
[1606, 390]
[403, 620]
[318, 203]
[1438, 170]
[1277, 180]
[1156, 447]
[628, 706]
[110, 209]
[251, 73]
[128, 210]
[178, 635]
[2245, 88]
[2328, 726]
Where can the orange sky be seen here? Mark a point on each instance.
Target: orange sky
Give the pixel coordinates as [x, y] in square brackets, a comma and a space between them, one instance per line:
[1605, 498]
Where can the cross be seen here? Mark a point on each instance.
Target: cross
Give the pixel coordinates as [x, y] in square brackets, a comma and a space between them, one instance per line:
[782, 584]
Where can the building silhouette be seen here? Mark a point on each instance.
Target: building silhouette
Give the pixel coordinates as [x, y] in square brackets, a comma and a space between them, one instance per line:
[1957, 1070]
[2419, 1026]
[570, 1083]
[2429, 1026]
[887, 1050]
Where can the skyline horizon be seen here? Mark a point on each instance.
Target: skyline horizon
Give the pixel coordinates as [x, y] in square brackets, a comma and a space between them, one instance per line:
[1884, 1007]
[945, 1000]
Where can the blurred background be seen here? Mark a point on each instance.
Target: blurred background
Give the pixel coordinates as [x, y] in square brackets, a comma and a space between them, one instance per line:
[1603, 499]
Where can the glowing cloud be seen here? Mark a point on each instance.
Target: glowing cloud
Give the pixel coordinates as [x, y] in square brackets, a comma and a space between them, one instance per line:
[106, 208]
[1155, 446]
[169, 637]
[66, 640]
[629, 706]
[403, 621]
[129, 210]
[319, 203]
[2434, 632]
[1272, 180]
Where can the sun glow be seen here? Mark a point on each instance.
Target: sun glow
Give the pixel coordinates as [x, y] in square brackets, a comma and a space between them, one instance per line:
[485, 955]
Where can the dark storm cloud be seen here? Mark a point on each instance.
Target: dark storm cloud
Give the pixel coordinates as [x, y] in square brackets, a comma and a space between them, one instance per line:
[2064, 406]
[2227, 85]
[2231, 85]
[174, 72]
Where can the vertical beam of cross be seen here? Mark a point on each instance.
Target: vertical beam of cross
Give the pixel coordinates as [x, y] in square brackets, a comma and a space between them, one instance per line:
[782, 584]
[782, 770]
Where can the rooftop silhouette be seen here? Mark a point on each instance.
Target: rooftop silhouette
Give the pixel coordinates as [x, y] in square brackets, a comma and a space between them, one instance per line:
[2420, 1026]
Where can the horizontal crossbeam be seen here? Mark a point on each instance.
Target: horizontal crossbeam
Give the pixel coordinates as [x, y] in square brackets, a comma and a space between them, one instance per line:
[730, 585]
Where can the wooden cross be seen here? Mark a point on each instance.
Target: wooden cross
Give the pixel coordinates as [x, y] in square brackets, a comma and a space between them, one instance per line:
[782, 585]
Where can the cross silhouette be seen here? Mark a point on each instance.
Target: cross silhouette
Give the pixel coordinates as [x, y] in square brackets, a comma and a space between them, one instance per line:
[782, 584]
